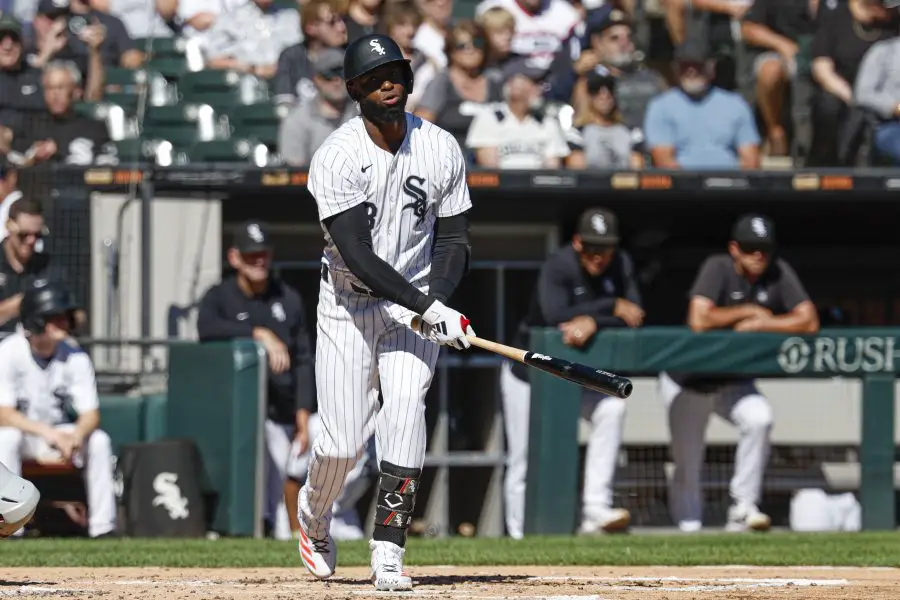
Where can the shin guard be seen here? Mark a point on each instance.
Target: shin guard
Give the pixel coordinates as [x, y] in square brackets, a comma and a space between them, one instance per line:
[397, 489]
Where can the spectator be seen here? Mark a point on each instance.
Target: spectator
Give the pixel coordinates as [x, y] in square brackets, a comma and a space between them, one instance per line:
[308, 124]
[62, 136]
[541, 26]
[323, 28]
[844, 34]
[499, 26]
[586, 286]
[21, 262]
[255, 304]
[141, 18]
[722, 14]
[878, 90]
[250, 38]
[611, 51]
[431, 36]
[455, 96]
[117, 48]
[9, 195]
[19, 82]
[744, 290]
[698, 126]
[49, 408]
[514, 135]
[400, 21]
[198, 16]
[362, 18]
[600, 140]
[780, 33]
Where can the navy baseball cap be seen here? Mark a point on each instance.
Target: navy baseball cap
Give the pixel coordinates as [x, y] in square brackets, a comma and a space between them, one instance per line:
[253, 236]
[598, 227]
[53, 8]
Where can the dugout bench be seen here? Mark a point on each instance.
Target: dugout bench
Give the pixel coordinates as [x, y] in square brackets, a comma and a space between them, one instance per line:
[868, 354]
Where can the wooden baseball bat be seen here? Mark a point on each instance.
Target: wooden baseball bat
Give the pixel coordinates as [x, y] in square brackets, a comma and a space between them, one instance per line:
[595, 379]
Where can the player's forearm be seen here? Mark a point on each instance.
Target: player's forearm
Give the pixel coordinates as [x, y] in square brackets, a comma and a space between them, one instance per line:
[10, 417]
[350, 233]
[86, 424]
[720, 317]
[211, 328]
[804, 321]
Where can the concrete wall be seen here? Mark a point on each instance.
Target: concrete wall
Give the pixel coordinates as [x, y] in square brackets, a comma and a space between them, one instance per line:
[186, 259]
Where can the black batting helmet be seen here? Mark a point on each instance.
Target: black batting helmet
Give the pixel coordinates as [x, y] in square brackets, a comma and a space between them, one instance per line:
[46, 299]
[370, 52]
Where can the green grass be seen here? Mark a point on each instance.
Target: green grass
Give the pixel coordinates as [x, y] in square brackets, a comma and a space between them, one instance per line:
[776, 549]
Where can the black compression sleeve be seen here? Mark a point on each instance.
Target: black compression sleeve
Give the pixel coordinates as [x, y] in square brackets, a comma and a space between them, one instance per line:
[350, 232]
[450, 259]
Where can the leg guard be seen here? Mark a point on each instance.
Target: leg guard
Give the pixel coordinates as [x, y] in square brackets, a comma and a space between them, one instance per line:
[18, 501]
[397, 489]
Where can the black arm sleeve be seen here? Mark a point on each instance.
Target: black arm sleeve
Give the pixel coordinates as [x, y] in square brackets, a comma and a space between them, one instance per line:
[303, 363]
[350, 232]
[212, 326]
[450, 259]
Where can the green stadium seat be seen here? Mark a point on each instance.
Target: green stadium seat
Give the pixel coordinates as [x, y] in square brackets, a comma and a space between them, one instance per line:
[182, 125]
[163, 47]
[221, 89]
[135, 150]
[172, 68]
[233, 150]
[256, 121]
[124, 87]
[112, 114]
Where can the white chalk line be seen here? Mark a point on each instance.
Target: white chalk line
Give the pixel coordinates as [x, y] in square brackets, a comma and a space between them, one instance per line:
[723, 580]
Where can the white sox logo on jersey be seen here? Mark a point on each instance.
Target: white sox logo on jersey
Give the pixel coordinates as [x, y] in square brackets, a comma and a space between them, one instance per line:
[377, 48]
[418, 195]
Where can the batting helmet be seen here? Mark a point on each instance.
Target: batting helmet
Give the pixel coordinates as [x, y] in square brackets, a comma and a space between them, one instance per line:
[370, 52]
[43, 300]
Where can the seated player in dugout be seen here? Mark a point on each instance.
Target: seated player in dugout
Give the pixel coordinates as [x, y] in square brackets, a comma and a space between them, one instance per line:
[586, 286]
[747, 289]
[49, 409]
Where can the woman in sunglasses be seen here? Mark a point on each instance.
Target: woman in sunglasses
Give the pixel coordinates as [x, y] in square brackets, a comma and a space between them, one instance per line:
[455, 96]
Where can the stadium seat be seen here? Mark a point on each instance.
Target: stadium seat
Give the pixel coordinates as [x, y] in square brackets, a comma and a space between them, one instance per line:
[222, 89]
[183, 124]
[256, 121]
[124, 87]
[110, 113]
[233, 150]
[162, 47]
[172, 68]
[136, 150]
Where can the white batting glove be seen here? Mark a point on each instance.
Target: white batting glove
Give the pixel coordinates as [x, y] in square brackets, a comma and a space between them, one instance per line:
[446, 326]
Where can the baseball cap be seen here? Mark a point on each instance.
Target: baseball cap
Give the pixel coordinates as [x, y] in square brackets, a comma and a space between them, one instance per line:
[605, 17]
[253, 236]
[522, 65]
[329, 62]
[598, 227]
[754, 232]
[10, 24]
[53, 8]
[691, 51]
[597, 80]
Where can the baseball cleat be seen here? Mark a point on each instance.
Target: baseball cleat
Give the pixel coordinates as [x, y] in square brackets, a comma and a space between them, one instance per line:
[612, 520]
[747, 518]
[18, 501]
[388, 574]
[319, 556]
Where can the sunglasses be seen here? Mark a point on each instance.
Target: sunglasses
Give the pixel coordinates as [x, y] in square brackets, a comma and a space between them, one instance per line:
[754, 248]
[332, 75]
[25, 235]
[11, 35]
[470, 45]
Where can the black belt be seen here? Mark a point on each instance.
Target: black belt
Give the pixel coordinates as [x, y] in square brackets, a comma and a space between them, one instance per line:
[356, 288]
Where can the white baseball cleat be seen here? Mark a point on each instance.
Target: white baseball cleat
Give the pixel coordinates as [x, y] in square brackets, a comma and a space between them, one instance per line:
[747, 517]
[319, 556]
[388, 574]
[18, 501]
[610, 520]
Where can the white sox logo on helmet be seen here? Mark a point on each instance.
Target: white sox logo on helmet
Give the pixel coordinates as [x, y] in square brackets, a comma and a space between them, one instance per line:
[377, 47]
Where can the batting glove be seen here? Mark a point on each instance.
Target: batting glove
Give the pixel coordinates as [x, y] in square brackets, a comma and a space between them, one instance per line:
[445, 326]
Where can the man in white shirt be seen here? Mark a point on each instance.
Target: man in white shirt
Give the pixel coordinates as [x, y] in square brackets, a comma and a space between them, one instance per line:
[8, 195]
[515, 135]
[49, 409]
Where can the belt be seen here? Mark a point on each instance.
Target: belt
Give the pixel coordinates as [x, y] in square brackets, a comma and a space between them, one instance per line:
[356, 288]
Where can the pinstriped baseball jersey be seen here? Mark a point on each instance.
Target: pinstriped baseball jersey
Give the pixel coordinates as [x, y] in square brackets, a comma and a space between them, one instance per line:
[404, 192]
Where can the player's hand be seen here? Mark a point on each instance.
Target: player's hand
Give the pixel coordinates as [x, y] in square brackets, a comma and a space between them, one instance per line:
[446, 326]
[301, 438]
[62, 441]
[578, 331]
[276, 350]
[628, 311]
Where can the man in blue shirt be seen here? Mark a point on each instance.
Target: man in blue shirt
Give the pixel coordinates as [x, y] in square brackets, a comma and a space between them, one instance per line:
[697, 125]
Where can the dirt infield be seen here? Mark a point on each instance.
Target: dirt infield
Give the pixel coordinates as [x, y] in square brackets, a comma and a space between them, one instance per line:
[487, 583]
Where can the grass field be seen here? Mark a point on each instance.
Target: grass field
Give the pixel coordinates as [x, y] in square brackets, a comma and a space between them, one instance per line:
[775, 549]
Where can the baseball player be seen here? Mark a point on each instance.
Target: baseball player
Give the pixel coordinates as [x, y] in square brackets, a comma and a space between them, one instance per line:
[585, 286]
[745, 290]
[48, 401]
[392, 199]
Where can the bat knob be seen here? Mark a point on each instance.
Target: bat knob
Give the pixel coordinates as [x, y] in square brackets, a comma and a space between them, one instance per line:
[625, 389]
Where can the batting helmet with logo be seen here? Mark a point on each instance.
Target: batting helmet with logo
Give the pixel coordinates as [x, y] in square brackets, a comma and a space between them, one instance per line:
[46, 299]
[370, 52]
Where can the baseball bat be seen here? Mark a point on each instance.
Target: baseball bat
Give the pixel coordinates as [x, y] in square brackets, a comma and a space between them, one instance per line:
[589, 377]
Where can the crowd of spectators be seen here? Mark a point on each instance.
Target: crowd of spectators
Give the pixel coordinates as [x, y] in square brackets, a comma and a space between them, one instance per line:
[519, 83]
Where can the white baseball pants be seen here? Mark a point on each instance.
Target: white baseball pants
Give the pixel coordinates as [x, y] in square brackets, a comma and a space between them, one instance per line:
[95, 458]
[740, 404]
[607, 418]
[363, 345]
